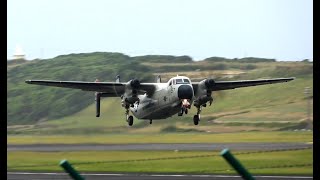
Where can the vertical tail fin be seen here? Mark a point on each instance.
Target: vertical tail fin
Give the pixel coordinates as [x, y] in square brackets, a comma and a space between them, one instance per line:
[158, 79]
[118, 79]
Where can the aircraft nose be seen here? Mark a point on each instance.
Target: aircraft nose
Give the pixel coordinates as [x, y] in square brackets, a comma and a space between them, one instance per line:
[185, 92]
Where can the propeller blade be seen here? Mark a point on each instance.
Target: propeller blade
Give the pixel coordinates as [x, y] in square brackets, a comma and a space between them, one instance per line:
[97, 99]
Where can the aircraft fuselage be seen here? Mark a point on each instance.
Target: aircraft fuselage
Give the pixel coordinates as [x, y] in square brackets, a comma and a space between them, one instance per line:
[165, 102]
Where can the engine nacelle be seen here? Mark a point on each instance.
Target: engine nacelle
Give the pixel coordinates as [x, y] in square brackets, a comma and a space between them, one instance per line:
[202, 100]
[131, 94]
[131, 100]
[134, 83]
[204, 87]
[209, 83]
[204, 92]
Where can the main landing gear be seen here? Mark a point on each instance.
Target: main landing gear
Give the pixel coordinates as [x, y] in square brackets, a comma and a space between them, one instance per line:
[196, 118]
[127, 106]
[129, 118]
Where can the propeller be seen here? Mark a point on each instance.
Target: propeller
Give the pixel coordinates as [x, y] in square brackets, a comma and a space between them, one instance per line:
[158, 79]
[97, 99]
[209, 83]
[135, 83]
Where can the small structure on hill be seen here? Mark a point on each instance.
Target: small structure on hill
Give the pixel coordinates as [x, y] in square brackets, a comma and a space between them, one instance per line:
[19, 54]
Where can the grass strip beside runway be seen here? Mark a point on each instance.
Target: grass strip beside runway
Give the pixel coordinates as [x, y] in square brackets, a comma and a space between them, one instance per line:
[298, 162]
[275, 136]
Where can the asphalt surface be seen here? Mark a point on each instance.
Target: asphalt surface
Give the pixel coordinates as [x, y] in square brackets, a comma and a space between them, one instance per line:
[34, 176]
[134, 147]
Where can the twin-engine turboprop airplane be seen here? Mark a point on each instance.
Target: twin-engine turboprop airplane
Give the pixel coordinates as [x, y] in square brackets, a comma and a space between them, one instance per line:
[158, 100]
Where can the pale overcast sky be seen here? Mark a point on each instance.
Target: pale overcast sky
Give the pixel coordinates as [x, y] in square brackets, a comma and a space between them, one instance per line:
[280, 29]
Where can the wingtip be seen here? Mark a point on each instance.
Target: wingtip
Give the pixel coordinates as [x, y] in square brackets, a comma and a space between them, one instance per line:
[28, 81]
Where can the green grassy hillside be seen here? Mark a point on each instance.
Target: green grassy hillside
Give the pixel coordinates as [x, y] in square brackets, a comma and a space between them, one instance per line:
[28, 104]
[38, 109]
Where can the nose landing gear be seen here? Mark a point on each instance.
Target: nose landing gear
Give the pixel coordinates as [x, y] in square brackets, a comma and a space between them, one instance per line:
[185, 105]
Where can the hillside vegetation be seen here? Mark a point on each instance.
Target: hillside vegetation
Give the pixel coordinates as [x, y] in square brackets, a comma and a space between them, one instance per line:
[58, 109]
[28, 104]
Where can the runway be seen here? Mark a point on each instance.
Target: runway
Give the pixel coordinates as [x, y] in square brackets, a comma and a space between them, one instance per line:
[152, 147]
[91, 176]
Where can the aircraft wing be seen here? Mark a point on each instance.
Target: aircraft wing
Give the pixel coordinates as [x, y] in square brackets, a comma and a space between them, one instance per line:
[110, 89]
[224, 85]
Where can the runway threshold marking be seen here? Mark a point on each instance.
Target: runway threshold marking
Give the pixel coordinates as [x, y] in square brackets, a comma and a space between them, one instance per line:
[160, 175]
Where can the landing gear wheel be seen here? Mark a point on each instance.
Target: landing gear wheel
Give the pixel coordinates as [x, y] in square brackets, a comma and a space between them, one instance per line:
[150, 121]
[130, 120]
[181, 112]
[196, 119]
[186, 111]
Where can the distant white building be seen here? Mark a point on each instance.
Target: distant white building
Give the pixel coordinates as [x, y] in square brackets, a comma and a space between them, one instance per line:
[19, 54]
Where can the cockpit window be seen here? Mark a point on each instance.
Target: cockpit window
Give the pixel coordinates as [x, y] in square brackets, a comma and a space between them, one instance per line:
[179, 81]
[182, 81]
[186, 81]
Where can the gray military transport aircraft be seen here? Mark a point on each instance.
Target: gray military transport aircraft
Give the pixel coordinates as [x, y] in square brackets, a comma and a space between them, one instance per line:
[158, 100]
